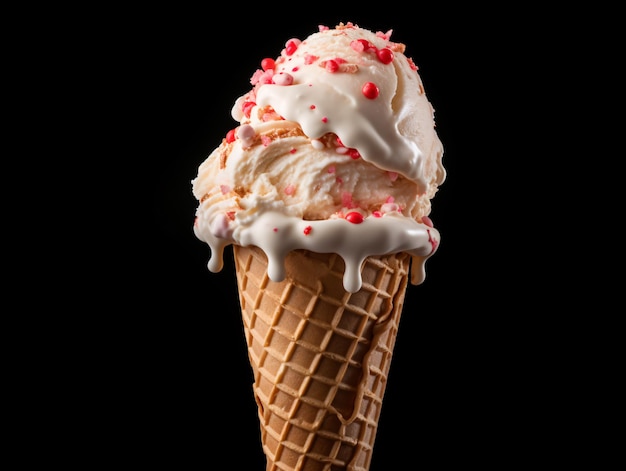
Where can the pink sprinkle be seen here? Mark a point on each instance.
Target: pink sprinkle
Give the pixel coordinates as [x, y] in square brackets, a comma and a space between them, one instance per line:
[256, 77]
[324, 119]
[393, 176]
[377, 214]
[247, 134]
[262, 77]
[346, 200]
[359, 45]
[331, 169]
[276, 229]
[386, 36]
[224, 189]
[282, 78]
[331, 66]
[307, 230]
[390, 199]
[426, 220]
[290, 190]
[266, 140]
[309, 59]
[323, 28]
[295, 69]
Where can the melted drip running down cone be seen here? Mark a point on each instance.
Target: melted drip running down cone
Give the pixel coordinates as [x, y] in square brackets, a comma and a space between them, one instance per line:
[320, 355]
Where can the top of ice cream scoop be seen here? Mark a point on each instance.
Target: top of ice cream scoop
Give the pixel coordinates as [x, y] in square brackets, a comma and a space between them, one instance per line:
[358, 85]
[335, 152]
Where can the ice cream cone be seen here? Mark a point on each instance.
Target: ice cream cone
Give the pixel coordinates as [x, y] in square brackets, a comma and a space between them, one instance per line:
[320, 355]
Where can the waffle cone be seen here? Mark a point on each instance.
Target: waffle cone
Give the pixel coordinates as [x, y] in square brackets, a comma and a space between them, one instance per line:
[320, 355]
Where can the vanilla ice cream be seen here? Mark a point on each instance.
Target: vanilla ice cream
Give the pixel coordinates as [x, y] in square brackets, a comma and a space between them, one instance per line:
[335, 152]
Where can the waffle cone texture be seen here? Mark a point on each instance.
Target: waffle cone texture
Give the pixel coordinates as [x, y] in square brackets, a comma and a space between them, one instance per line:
[320, 355]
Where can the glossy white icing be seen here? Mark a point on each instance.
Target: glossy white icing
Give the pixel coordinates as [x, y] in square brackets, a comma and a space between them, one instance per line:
[277, 235]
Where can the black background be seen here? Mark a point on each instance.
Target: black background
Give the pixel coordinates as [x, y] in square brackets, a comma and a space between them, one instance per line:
[171, 377]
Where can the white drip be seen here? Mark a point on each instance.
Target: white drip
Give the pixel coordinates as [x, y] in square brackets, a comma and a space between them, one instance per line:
[277, 235]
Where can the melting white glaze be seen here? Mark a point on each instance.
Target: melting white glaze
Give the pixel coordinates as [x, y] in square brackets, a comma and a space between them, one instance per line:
[394, 131]
[277, 235]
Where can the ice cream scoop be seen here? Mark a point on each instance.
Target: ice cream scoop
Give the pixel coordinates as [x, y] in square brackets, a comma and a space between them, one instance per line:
[335, 152]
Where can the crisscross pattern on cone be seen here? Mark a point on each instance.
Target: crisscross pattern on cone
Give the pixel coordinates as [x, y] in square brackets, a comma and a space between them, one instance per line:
[320, 355]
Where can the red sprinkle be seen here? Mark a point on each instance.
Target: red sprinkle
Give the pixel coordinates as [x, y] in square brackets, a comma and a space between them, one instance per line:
[354, 217]
[312, 107]
[307, 230]
[385, 55]
[291, 46]
[267, 64]
[276, 229]
[247, 108]
[370, 90]
[230, 136]
[324, 119]
[354, 154]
